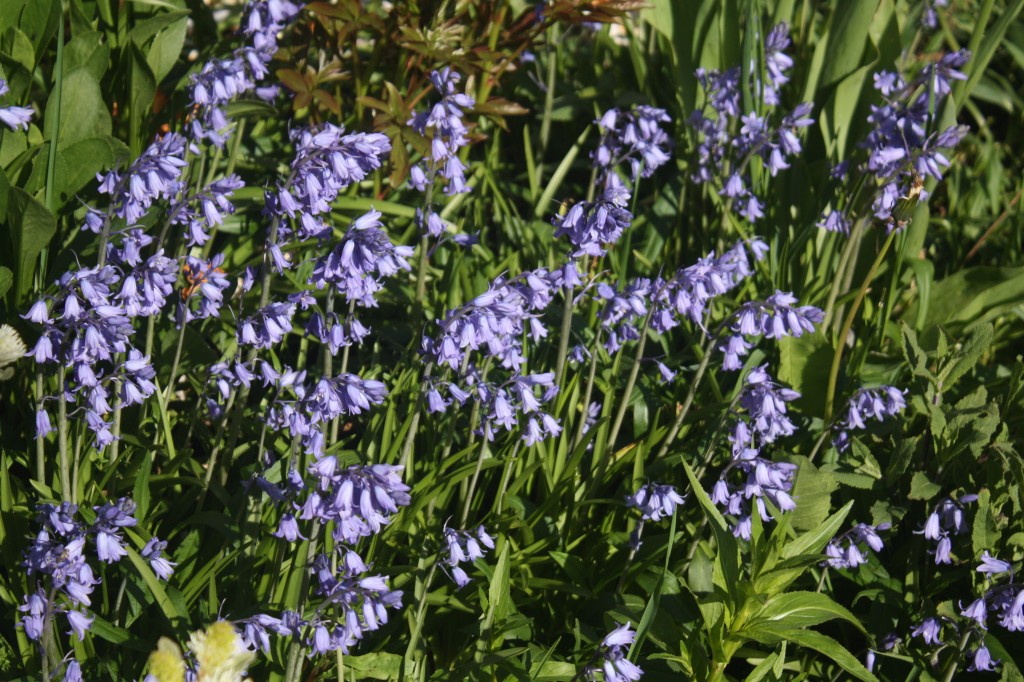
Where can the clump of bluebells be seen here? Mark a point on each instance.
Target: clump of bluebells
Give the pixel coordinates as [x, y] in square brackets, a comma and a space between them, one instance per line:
[947, 519]
[851, 555]
[902, 147]
[729, 139]
[464, 546]
[58, 562]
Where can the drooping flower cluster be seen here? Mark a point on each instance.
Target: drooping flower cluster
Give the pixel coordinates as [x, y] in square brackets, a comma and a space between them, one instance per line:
[443, 126]
[774, 318]
[947, 518]
[592, 226]
[155, 175]
[13, 117]
[204, 210]
[611, 655]
[901, 149]
[633, 137]
[88, 337]
[222, 80]
[360, 262]
[851, 556]
[206, 283]
[729, 138]
[463, 546]
[326, 162]
[765, 403]
[877, 403]
[58, 557]
[655, 501]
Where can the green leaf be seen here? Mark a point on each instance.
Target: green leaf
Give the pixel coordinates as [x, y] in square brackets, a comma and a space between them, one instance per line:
[156, 588]
[813, 490]
[984, 532]
[83, 112]
[379, 665]
[810, 639]
[6, 279]
[921, 487]
[499, 598]
[142, 91]
[78, 164]
[727, 559]
[813, 541]
[979, 293]
[37, 19]
[801, 610]
[846, 38]
[165, 51]
[803, 361]
[30, 229]
[967, 356]
[89, 52]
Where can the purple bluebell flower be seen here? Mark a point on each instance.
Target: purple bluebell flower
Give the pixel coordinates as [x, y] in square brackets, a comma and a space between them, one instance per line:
[443, 126]
[946, 519]
[976, 611]
[14, 117]
[852, 556]
[929, 630]
[153, 553]
[592, 226]
[612, 653]
[634, 137]
[981, 659]
[359, 262]
[463, 546]
[155, 175]
[991, 565]
[655, 501]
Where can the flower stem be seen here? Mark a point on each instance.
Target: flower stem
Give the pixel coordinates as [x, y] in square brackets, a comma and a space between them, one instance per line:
[837, 357]
[62, 435]
[563, 339]
[40, 440]
[684, 410]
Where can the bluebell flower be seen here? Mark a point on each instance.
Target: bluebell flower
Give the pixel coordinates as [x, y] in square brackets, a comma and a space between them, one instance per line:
[634, 137]
[444, 127]
[851, 556]
[154, 176]
[981, 659]
[464, 546]
[655, 501]
[153, 553]
[614, 664]
[14, 117]
[929, 630]
[592, 226]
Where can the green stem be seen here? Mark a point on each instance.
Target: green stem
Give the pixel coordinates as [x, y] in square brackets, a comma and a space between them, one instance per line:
[955, 660]
[563, 339]
[587, 391]
[685, 409]
[472, 484]
[417, 627]
[58, 82]
[837, 357]
[293, 669]
[174, 364]
[631, 381]
[62, 435]
[40, 440]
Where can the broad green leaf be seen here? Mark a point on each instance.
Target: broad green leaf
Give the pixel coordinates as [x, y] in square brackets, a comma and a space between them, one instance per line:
[30, 228]
[83, 112]
[921, 487]
[727, 556]
[846, 38]
[378, 665]
[809, 639]
[984, 531]
[499, 598]
[803, 361]
[971, 294]
[165, 51]
[812, 490]
[81, 161]
[88, 51]
[801, 610]
[142, 90]
[37, 19]
[813, 541]
[6, 280]
[967, 356]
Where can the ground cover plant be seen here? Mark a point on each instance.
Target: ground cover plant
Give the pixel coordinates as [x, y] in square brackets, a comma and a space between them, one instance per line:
[502, 340]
